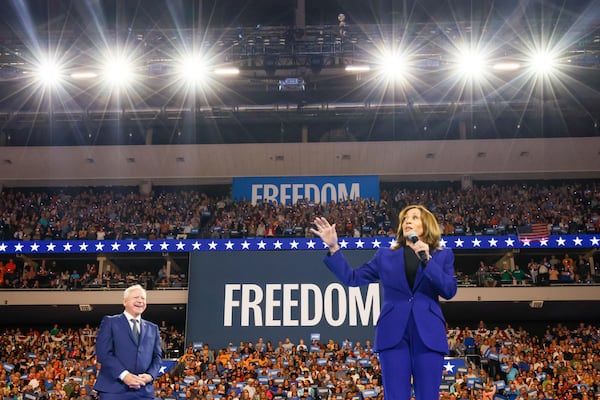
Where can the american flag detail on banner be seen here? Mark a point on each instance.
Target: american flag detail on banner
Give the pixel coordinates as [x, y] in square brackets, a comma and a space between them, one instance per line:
[534, 233]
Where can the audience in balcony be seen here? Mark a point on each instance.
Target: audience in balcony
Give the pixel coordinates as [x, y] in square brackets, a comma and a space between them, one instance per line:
[119, 213]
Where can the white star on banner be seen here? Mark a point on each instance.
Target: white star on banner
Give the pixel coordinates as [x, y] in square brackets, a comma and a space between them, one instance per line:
[50, 247]
[442, 243]
[493, 242]
[262, 245]
[245, 245]
[544, 242]
[3, 247]
[115, 246]
[35, 247]
[325, 245]
[99, 246]
[67, 246]
[526, 242]
[18, 247]
[294, 244]
[509, 242]
[359, 244]
[310, 244]
[148, 246]
[376, 243]
[131, 246]
[459, 242]
[277, 245]
[180, 245]
[196, 245]
[229, 245]
[595, 242]
[577, 241]
[476, 242]
[392, 243]
[83, 246]
[212, 245]
[449, 367]
[560, 241]
[164, 245]
[344, 244]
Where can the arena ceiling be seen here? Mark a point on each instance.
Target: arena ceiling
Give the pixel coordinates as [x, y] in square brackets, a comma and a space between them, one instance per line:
[298, 68]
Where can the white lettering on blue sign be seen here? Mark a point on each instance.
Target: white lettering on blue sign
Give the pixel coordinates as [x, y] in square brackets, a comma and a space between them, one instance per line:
[292, 193]
[337, 305]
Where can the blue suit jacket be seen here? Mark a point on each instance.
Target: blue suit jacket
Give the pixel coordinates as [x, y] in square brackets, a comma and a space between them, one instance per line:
[117, 351]
[399, 301]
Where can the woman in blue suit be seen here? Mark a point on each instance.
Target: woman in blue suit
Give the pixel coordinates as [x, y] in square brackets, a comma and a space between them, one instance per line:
[411, 330]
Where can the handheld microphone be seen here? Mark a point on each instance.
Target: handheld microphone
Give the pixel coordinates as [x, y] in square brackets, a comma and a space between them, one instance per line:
[413, 237]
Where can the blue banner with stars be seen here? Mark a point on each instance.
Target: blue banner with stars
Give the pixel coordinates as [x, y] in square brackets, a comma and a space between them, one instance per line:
[283, 243]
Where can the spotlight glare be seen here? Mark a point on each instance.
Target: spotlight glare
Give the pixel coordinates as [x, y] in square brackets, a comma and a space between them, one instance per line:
[394, 66]
[48, 73]
[357, 68]
[192, 69]
[118, 71]
[543, 62]
[470, 64]
[227, 71]
[506, 66]
[83, 75]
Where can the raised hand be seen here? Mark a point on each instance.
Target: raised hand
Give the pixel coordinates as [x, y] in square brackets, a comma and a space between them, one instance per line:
[326, 232]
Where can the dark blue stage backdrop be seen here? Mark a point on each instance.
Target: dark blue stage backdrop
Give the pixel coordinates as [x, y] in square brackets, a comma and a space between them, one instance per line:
[243, 296]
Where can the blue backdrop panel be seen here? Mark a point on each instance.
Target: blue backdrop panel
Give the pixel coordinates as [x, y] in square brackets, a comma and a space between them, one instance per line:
[243, 296]
[291, 189]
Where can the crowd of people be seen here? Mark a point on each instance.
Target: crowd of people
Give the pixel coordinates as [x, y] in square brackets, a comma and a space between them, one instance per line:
[544, 271]
[561, 363]
[58, 362]
[19, 274]
[564, 363]
[541, 271]
[117, 213]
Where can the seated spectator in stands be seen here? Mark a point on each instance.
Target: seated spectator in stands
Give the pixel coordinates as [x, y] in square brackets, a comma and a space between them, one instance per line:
[10, 272]
[74, 281]
[505, 276]
[518, 275]
[2, 272]
[553, 274]
[543, 271]
[566, 273]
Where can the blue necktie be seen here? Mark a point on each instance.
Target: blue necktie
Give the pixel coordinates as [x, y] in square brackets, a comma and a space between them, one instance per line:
[135, 329]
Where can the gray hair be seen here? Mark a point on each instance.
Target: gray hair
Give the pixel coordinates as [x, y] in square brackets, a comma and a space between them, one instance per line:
[132, 288]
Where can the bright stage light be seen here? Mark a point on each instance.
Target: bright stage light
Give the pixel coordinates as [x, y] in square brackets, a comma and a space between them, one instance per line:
[394, 66]
[471, 64]
[227, 71]
[118, 71]
[82, 75]
[357, 68]
[543, 62]
[192, 69]
[506, 66]
[48, 73]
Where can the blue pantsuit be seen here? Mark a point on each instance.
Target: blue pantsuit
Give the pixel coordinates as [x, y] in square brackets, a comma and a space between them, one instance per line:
[411, 330]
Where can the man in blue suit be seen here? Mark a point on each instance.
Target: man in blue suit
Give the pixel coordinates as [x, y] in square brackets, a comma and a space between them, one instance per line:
[129, 351]
[411, 330]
